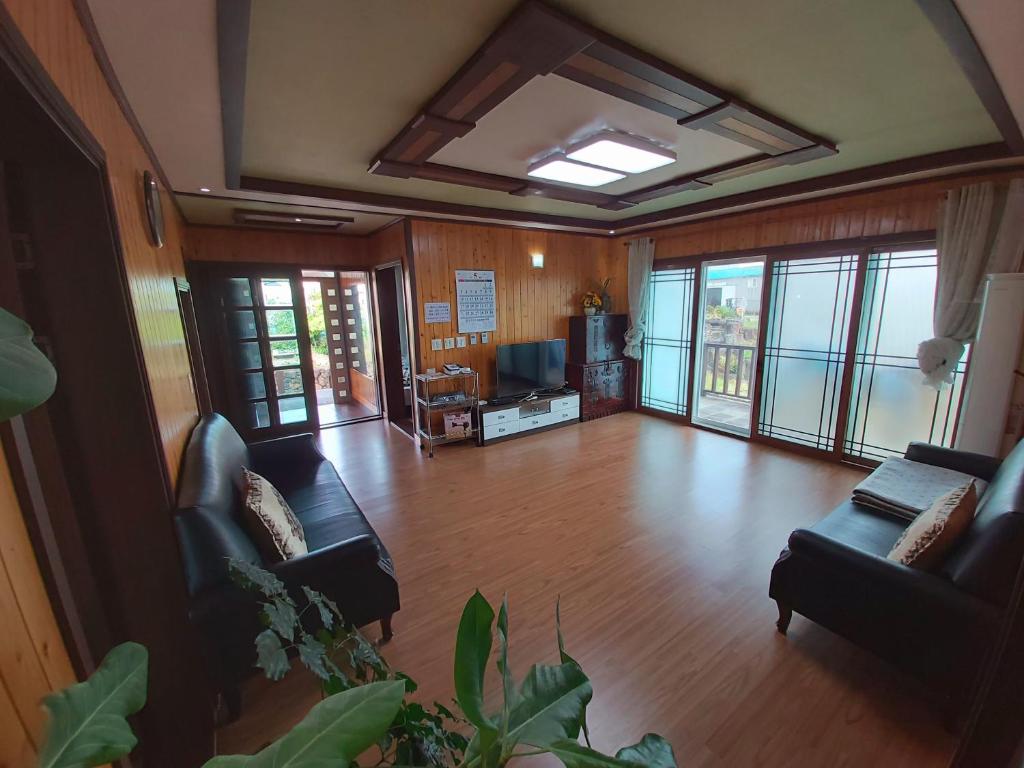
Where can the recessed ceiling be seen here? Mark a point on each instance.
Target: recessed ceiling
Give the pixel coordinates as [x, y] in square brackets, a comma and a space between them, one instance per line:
[328, 87]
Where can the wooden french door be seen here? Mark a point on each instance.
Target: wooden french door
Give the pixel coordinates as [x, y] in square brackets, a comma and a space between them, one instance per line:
[267, 387]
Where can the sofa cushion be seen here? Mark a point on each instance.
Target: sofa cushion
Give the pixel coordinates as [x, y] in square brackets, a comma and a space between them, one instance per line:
[934, 532]
[322, 503]
[861, 528]
[272, 524]
[986, 561]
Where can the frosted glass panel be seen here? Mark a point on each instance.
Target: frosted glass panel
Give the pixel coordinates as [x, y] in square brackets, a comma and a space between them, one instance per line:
[666, 346]
[890, 404]
[805, 349]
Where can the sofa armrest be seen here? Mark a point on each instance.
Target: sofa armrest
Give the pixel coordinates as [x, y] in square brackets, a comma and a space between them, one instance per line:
[283, 451]
[898, 583]
[977, 464]
[328, 563]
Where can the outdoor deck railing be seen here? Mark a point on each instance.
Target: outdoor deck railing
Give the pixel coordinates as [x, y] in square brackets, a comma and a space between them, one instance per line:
[727, 370]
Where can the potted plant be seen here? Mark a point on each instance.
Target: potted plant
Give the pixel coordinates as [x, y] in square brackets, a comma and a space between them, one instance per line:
[591, 303]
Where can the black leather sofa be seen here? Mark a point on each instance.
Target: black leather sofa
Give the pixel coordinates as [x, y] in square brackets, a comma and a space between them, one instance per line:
[938, 626]
[346, 561]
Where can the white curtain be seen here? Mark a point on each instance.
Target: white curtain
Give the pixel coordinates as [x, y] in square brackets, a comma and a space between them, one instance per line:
[980, 232]
[641, 261]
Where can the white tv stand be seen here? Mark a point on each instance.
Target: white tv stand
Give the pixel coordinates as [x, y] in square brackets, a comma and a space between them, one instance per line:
[503, 422]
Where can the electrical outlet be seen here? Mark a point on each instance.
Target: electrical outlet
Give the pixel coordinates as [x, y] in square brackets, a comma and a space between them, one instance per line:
[435, 345]
[484, 338]
[460, 342]
[449, 342]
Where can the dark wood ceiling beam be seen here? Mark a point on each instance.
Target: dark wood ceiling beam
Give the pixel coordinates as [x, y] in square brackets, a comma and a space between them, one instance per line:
[405, 204]
[946, 18]
[232, 57]
[866, 175]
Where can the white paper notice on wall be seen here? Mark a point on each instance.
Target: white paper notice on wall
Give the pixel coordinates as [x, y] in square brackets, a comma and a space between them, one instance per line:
[437, 312]
[474, 292]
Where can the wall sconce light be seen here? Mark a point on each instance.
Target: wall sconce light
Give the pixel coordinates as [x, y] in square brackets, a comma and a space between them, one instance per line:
[537, 260]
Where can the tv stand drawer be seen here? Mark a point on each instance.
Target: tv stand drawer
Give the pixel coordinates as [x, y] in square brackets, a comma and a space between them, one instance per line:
[507, 416]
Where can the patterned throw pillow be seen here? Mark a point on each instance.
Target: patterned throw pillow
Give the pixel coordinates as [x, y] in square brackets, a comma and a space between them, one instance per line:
[272, 524]
[936, 531]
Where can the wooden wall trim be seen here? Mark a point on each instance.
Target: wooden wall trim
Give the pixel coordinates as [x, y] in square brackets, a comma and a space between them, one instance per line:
[946, 18]
[275, 246]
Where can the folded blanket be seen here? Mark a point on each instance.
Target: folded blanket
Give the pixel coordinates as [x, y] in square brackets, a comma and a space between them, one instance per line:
[907, 488]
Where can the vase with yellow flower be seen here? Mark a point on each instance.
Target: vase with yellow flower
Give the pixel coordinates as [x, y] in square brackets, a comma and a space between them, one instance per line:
[591, 303]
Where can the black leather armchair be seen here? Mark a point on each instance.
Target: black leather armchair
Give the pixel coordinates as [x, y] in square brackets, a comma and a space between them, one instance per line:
[346, 559]
[940, 625]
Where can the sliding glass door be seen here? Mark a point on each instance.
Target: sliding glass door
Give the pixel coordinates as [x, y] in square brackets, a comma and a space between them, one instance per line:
[727, 343]
[809, 310]
[834, 368]
[890, 405]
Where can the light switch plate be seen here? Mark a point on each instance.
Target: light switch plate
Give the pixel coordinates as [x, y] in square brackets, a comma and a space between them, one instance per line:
[435, 345]
[449, 342]
[484, 338]
[472, 338]
[460, 342]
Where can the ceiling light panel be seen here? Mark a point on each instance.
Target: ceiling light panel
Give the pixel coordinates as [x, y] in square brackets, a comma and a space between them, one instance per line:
[558, 168]
[621, 152]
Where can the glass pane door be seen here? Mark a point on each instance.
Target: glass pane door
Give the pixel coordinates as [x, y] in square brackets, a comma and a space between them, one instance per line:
[263, 332]
[727, 343]
[890, 405]
[805, 349]
[668, 341]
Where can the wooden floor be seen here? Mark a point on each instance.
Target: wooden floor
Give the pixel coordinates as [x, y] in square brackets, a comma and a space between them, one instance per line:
[659, 539]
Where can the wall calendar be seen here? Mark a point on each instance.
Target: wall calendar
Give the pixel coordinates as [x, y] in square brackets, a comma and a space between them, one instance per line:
[474, 294]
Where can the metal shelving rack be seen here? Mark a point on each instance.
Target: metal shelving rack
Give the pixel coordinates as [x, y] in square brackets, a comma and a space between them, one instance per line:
[426, 402]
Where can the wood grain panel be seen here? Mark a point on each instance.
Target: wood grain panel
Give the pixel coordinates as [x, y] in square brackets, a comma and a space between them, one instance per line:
[364, 388]
[274, 247]
[532, 304]
[894, 210]
[53, 30]
[33, 659]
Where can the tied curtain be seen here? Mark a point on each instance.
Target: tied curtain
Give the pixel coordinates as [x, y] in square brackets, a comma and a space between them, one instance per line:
[641, 262]
[980, 232]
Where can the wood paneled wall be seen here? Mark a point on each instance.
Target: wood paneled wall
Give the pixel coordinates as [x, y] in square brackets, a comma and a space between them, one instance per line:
[908, 208]
[53, 30]
[533, 304]
[33, 660]
[275, 247]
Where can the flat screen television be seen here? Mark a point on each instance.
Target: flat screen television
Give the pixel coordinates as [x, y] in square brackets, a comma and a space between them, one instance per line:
[530, 367]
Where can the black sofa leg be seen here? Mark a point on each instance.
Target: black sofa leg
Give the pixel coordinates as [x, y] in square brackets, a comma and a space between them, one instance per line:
[386, 632]
[785, 615]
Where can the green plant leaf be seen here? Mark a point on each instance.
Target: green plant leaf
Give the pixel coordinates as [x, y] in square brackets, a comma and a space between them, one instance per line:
[87, 721]
[575, 755]
[507, 685]
[270, 656]
[334, 733]
[472, 650]
[282, 617]
[27, 378]
[248, 575]
[652, 751]
[327, 608]
[567, 659]
[313, 654]
[552, 703]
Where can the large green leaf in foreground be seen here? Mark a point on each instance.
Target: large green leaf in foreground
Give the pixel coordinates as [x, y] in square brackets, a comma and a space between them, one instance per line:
[87, 721]
[26, 377]
[334, 733]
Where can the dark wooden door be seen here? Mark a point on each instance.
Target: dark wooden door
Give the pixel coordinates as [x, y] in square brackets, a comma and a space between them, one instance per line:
[388, 299]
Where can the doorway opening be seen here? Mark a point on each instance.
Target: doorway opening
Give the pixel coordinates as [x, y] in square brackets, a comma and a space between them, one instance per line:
[342, 346]
[394, 338]
[730, 320]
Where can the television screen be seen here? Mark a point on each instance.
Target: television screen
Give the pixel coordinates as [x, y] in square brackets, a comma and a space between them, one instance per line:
[526, 368]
